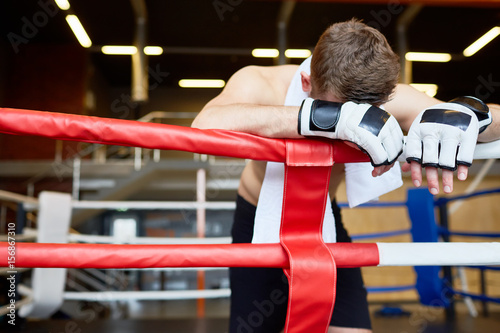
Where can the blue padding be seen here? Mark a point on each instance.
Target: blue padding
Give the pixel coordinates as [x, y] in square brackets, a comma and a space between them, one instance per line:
[420, 206]
[429, 285]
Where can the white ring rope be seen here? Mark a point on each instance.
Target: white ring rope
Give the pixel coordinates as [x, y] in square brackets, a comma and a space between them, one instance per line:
[483, 151]
[146, 295]
[487, 150]
[79, 238]
[439, 254]
[221, 205]
[144, 205]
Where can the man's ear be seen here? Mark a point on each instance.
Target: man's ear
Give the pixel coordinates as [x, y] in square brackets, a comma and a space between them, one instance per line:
[305, 79]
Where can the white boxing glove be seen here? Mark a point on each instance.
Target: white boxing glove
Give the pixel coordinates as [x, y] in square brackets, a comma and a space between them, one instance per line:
[445, 135]
[374, 130]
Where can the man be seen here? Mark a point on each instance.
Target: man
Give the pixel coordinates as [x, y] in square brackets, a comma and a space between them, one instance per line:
[351, 63]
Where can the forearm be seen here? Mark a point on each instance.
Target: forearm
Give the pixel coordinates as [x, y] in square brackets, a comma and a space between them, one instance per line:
[492, 132]
[264, 120]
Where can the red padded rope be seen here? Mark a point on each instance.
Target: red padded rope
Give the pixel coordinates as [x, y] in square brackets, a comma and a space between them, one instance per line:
[30, 255]
[311, 264]
[132, 133]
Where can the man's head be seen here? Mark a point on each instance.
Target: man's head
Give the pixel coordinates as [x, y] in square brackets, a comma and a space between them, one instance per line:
[354, 62]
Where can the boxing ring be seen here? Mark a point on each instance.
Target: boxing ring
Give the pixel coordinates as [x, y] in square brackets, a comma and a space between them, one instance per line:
[306, 260]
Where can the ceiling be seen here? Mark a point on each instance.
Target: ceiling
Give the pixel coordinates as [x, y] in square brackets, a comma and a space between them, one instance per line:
[193, 30]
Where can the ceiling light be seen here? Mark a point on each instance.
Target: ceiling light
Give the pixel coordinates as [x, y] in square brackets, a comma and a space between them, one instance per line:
[297, 53]
[129, 50]
[429, 88]
[428, 56]
[189, 83]
[265, 53]
[119, 49]
[482, 41]
[153, 50]
[62, 4]
[78, 30]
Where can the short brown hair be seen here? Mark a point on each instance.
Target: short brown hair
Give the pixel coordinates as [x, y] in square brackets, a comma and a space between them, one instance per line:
[355, 63]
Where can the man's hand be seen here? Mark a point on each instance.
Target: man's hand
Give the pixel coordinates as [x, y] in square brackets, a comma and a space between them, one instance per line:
[372, 129]
[444, 136]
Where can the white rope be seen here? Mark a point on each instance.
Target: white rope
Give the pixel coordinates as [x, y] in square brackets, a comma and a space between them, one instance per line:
[487, 150]
[79, 238]
[223, 205]
[108, 296]
[483, 151]
[180, 269]
[18, 198]
[439, 254]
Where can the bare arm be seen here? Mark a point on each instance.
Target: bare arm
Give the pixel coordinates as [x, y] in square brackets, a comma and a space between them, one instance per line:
[252, 102]
[407, 103]
[492, 132]
[405, 106]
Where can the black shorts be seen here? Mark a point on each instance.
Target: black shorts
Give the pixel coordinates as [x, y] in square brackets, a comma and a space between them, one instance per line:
[259, 296]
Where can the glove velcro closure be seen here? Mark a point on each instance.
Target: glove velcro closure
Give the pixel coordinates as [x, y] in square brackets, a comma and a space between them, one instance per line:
[324, 116]
[318, 116]
[480, 109]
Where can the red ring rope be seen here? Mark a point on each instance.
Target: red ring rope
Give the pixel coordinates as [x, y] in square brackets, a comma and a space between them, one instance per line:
[121, 132]
[153, 256]
[311, 264]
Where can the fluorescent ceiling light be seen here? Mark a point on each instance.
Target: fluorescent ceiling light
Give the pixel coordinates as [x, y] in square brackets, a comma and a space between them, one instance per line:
[428, 56]
[265, 53]
[129, 50]
[482, 41]
[78, 30]
[189, 83]
[428, 88]
[153, 50]
[62, 4]
[119, 49]
[297, 53]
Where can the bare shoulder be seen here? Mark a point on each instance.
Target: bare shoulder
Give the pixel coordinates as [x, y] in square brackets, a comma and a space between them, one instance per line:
[263, 84]
[271, 73]
[407, 102]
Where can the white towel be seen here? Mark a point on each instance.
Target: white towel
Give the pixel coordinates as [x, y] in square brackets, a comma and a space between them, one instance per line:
[269, 207]
[361, 187]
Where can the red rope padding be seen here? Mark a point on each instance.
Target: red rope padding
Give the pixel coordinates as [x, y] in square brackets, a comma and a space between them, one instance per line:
[32, 255]
[132, 133]
[310, 263]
